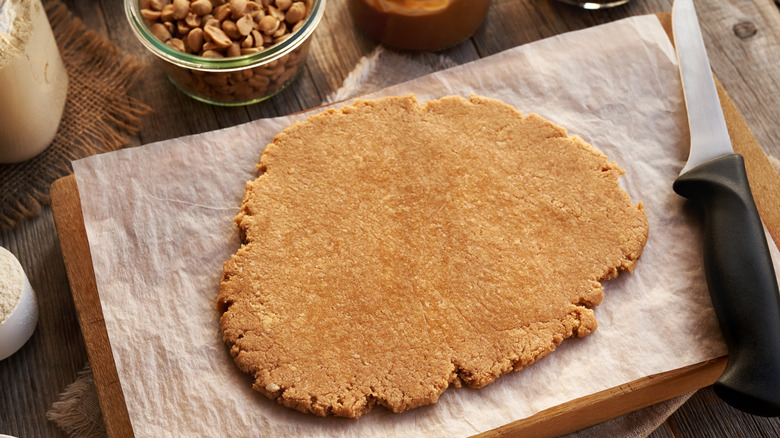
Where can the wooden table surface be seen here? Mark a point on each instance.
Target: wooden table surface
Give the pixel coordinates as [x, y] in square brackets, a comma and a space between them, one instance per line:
[743, 39]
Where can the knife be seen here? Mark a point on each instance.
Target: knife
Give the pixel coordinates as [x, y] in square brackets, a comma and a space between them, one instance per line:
[737, 264]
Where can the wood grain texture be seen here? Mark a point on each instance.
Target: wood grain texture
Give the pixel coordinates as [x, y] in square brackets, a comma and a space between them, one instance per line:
[613, 402]
[706, 415]
[32, 378]
[746, 65]
[69, 220]
[764, 179]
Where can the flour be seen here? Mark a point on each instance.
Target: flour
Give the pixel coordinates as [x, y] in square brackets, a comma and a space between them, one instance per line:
[33, 81]
[15, 29]
[11, 283]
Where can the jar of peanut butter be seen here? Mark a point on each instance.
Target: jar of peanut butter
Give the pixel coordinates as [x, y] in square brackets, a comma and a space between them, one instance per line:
[419, 24]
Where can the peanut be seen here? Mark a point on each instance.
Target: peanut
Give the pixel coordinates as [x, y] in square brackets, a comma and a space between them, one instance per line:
[237, 8]
[176, 44]
[229, 28]
[180, 9]
[195, 40]
[245, 25]
[268, 24]
[151, 14]
[201, 7]
[295, 13]
[217, 36]
[160, 31]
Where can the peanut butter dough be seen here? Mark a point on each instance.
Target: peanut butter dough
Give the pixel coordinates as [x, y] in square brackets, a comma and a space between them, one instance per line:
[393, 249]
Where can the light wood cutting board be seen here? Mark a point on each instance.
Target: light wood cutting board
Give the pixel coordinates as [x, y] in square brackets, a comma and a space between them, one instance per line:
[567, 417]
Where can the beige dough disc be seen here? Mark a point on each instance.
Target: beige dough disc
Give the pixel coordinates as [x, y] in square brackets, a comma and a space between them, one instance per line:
[393, 249]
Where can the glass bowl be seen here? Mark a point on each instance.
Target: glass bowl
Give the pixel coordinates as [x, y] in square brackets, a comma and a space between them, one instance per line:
[231, 81]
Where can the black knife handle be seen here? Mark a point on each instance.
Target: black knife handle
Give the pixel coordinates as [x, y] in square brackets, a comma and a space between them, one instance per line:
[741, 281]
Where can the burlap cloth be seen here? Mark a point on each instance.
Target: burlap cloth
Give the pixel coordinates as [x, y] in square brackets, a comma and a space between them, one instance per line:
[98, 117]
[78, 410]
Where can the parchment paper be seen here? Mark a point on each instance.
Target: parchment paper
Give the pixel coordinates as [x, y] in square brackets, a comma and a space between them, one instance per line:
[159, 223]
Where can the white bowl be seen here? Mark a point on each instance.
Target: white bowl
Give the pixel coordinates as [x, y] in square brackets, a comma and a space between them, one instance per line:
[20, 323]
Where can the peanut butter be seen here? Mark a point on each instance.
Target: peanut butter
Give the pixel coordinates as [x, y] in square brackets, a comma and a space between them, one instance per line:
[419, 24]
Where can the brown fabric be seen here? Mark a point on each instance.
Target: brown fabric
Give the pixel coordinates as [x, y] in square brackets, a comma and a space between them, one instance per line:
[98, 116]
[77, 412]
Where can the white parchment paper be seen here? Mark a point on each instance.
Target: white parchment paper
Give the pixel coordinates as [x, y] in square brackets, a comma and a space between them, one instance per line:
[159, 223]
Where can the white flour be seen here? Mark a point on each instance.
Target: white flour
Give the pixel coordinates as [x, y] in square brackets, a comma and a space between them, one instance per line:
[5, 24]
[11, 283]
[15, 29]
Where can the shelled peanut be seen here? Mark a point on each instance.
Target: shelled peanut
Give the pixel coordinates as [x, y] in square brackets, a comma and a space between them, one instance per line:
[229, 28]
[242, 85]
[221, 28]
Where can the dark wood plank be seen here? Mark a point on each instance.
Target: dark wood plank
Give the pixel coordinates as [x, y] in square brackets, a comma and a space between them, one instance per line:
[663, 431]
[66, 206]
[706, 415]
[743, 62]
[32, 378]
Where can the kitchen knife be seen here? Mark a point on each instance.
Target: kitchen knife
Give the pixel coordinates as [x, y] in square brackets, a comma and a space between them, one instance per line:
[737, 263]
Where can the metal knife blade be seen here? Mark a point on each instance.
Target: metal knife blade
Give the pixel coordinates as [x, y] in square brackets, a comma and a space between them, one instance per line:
[709, 135]
[737, 263]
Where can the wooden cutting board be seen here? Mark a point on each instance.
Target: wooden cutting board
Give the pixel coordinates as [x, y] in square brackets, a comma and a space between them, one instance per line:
[565, 418]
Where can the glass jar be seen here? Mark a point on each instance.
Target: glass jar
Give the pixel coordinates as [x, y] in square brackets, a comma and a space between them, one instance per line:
[34, 81]
[419, 24]
[237, 80]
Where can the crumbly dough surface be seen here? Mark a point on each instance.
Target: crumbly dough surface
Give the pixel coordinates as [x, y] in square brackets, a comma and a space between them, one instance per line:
[393, 249]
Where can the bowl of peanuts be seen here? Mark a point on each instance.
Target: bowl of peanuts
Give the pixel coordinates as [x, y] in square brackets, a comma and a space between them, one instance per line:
[227, 52]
